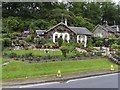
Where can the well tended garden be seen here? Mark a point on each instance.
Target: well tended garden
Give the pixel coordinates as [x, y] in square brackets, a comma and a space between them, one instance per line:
[67, 57]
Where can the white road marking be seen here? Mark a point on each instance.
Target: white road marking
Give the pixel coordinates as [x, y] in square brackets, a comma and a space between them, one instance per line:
[92, 77]
[25, 86]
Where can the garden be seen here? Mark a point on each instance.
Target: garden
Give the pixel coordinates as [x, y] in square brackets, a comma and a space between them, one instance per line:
[40, 57]
[64, 51]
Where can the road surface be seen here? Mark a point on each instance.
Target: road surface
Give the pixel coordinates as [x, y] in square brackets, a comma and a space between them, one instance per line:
[103, 81]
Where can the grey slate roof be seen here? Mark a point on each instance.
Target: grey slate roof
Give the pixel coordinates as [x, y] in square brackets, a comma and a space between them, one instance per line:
[40, 32]
[116, 28]
[106, 28]
[81, 30]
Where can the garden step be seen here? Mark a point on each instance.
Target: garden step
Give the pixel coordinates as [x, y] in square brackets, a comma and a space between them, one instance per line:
[114, 59]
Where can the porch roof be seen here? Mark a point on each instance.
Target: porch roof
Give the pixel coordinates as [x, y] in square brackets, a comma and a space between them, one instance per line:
[40, 32]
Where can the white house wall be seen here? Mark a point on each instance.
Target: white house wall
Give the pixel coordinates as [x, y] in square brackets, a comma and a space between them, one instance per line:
[61, 34]
[82, 38]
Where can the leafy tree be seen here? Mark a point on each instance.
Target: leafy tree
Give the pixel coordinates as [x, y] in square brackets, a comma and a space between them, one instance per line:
[10, 24]
[41, 15]
[59, 13]
[64, 49]
[79, 21]
[68, 47]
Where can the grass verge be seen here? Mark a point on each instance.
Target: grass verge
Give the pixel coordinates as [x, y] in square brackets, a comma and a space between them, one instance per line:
[19, 69]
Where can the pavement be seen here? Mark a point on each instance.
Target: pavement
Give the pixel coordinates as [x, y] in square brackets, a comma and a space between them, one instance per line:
[52, 78]
[103, 81]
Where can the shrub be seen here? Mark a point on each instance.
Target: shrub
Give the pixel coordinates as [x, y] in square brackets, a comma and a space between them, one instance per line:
[90, 42]
[14, 35]
[50, 43]
[64, 50]
[37, 40]
[55, 46]
[116, 46]
[77, 53]
[98, 41]
[28, 38]
[118, 52]
[12, 55]
[38, 46]
[7, 42]
[84, 54]
[60, 41]
[81, 46]
[88, 50]
[5, 35]
[99, 53]
[30, 54]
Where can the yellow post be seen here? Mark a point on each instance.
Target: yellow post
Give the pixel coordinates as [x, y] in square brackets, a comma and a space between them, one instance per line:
[59, 74]
[112, 68]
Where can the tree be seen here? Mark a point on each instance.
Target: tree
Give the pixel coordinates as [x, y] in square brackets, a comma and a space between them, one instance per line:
[109, 12]
[38, 24]
[68, 47]
[80, 21]
[60, 14]
[6, 42]
[10, 24]
[42, 15]
[64, 49]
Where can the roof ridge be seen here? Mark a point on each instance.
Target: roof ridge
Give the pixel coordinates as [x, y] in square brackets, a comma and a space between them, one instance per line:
[76, 27]
[59, 24]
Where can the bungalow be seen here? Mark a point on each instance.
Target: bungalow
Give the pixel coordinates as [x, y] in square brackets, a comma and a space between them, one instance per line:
[105, 30]
[61, 30]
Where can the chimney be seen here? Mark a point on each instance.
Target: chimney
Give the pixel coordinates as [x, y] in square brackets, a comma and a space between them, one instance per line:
[65, 21]
[117, 28]
[106, 23]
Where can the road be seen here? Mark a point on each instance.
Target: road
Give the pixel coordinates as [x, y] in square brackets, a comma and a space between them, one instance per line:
[103, 81]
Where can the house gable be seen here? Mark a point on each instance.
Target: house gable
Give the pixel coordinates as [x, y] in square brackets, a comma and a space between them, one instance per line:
[100, 31]
[61, 27]
[103, 31]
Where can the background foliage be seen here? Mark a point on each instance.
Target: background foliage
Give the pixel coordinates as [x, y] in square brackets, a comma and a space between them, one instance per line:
[19, 16]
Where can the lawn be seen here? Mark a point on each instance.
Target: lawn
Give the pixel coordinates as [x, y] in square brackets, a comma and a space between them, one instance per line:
[39, 52]
[19, 69]
[36, 52]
